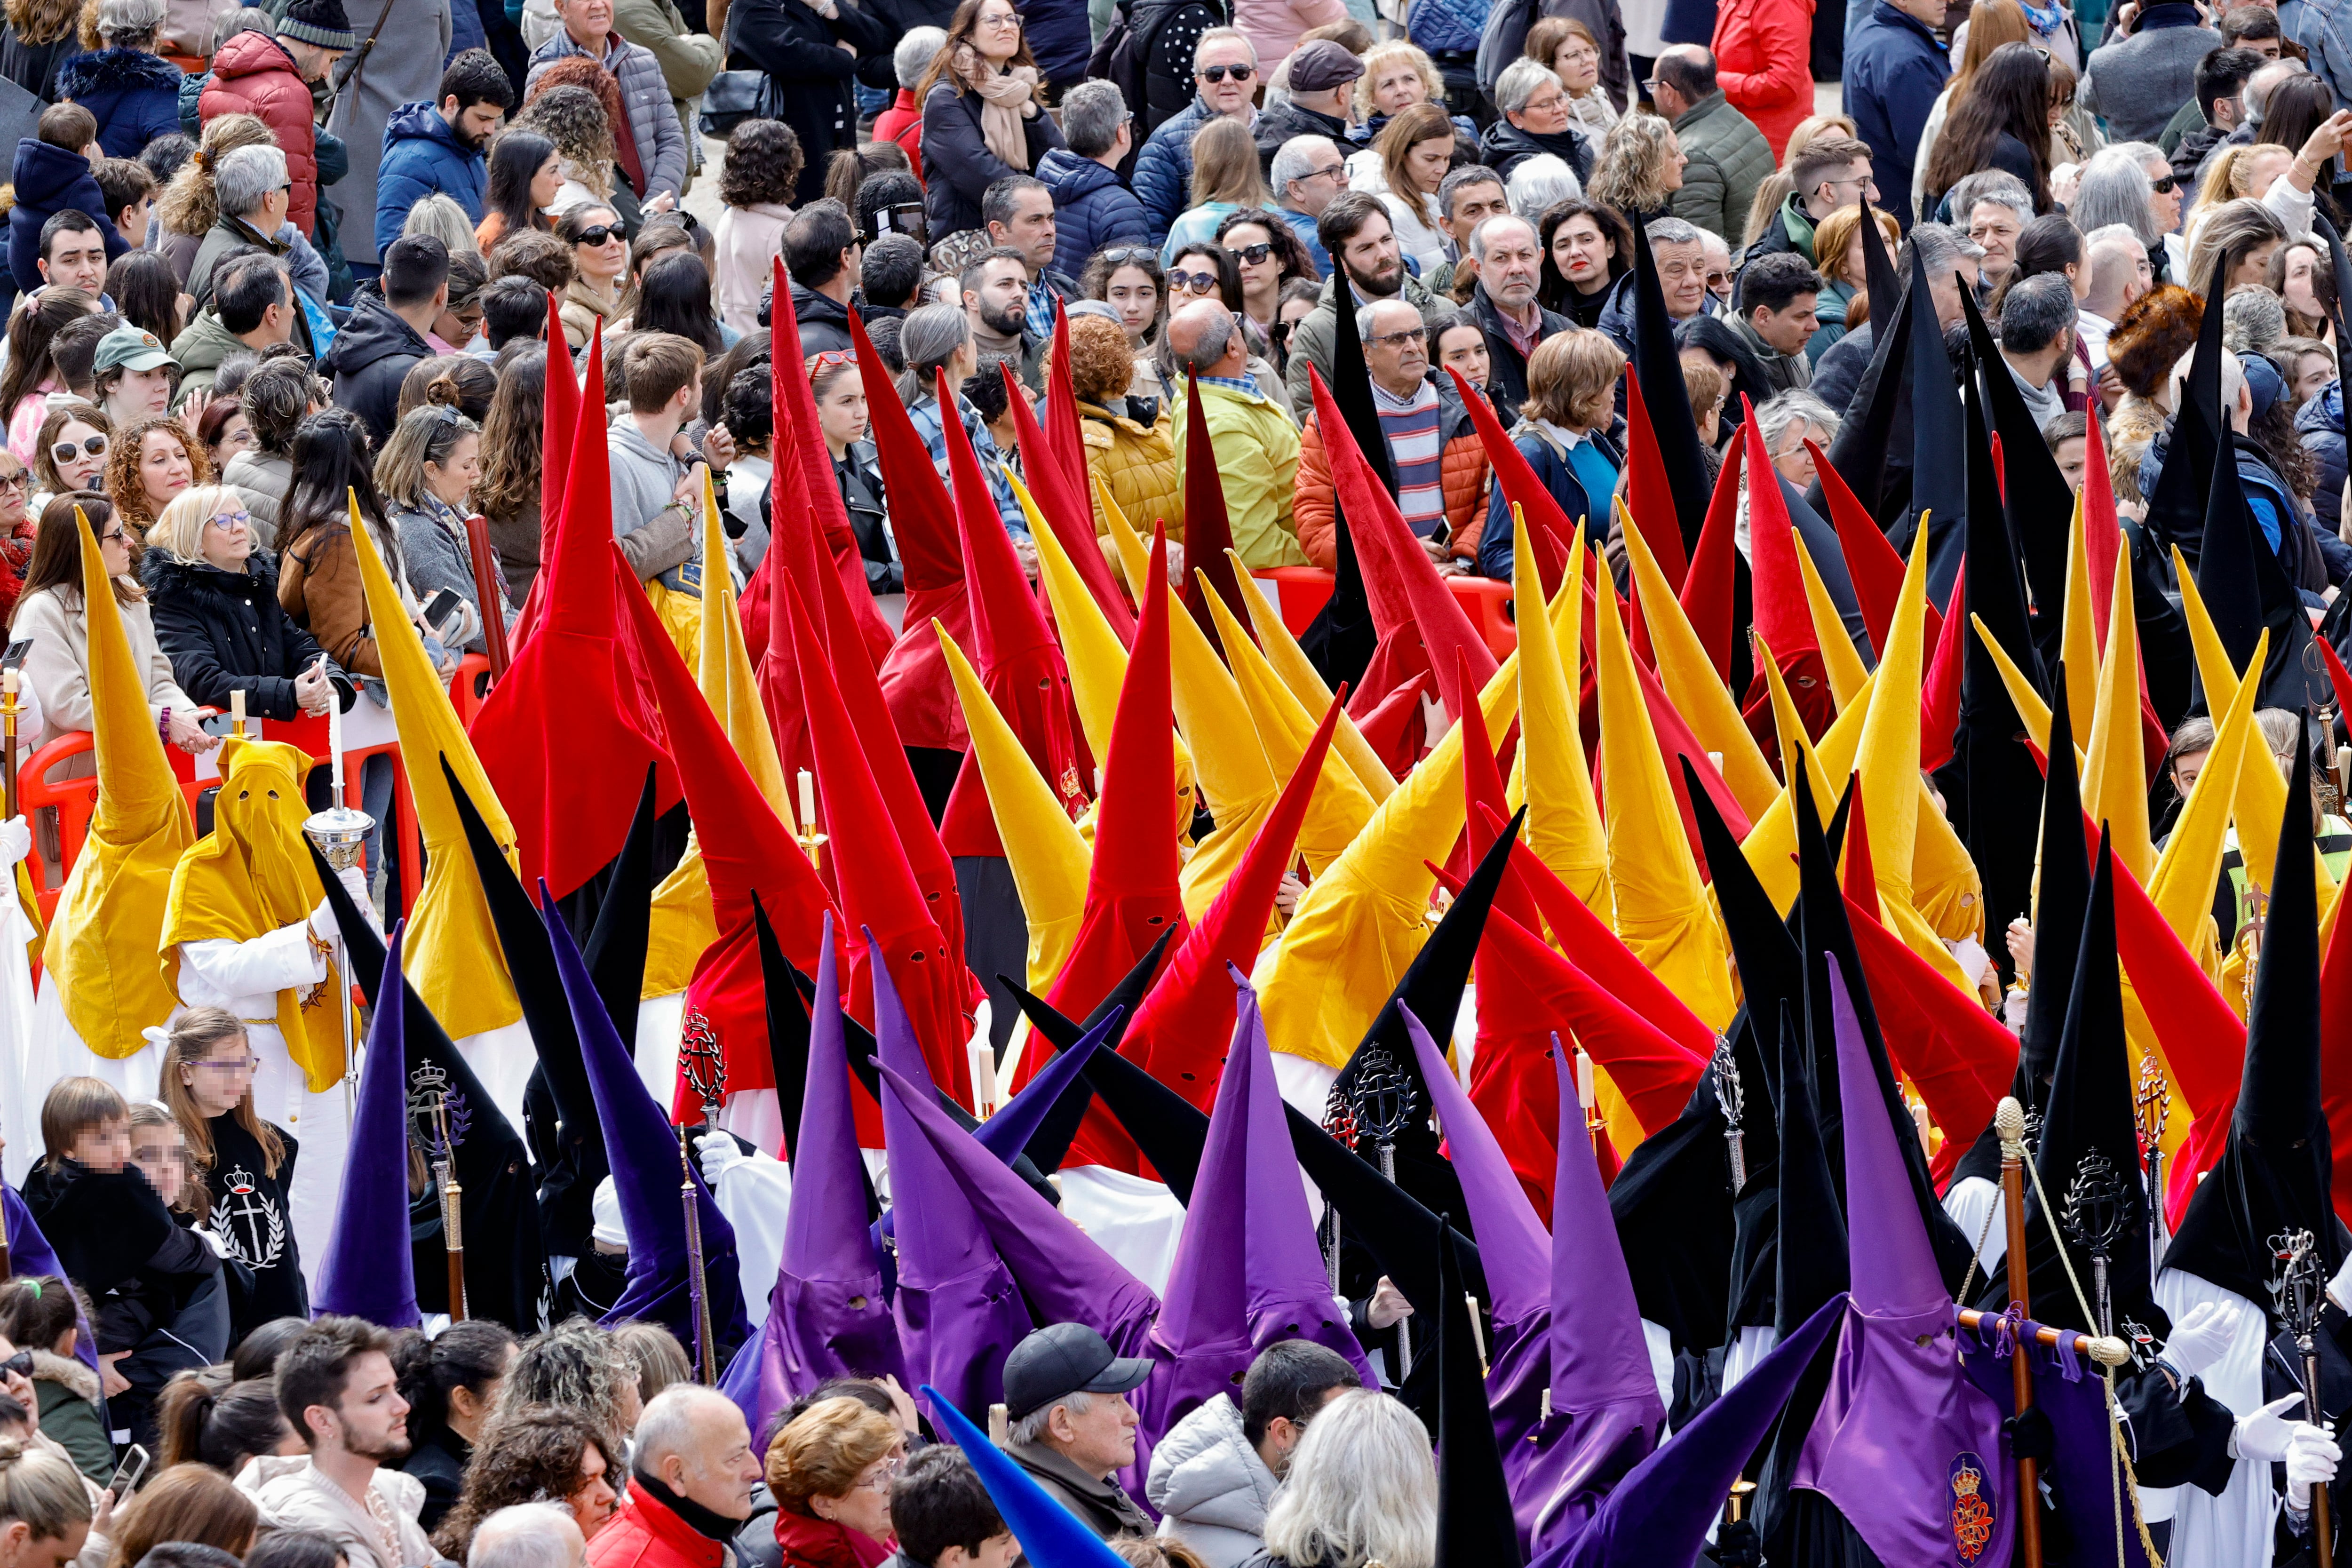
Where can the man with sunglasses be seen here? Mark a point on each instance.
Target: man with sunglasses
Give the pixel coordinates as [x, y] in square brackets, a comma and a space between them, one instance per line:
[1224, 79]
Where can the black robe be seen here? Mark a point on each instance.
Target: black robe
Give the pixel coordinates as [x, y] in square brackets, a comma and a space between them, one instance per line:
[251, 1214]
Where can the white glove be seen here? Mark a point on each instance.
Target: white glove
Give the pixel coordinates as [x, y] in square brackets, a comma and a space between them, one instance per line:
[2198, 1339]
[2264, 1437]
[718, 1151]
[15, 840]
[322, 923]
[2311, 1458]
[2339, 1289]
[355, 882]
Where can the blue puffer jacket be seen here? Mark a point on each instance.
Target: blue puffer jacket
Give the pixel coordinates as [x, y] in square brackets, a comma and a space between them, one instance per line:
[1059, 34]
[2320, 425]
[1091, 209]
[134, 95]
[49, 180]
[1164, 170]
[422, 155]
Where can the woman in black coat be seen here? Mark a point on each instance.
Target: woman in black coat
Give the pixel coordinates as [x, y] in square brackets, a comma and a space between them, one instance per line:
[38, 38]
[218, 620]
[2001, 121]
[984, 114]
[811, 51]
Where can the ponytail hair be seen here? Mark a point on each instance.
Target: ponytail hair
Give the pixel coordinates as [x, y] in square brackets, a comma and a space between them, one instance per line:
[206, 1419]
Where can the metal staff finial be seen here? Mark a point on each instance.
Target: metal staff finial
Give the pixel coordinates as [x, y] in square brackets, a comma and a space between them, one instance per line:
[2151, 1108]
[1732, 1100]
[1383, 1103]
[2092, 1213]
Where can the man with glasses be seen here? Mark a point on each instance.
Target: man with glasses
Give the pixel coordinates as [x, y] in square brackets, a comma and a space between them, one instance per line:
[1833, 172]
[1092, 211]
[1728, 157]
[1440, 464]
[1307, 172]
[252, 307]
[1224, 79]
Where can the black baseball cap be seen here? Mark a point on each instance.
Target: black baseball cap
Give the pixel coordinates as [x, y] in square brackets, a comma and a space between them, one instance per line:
[1062, 1359]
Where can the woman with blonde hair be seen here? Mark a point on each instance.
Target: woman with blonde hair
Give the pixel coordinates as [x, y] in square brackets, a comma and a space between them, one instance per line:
[830, 1471]
[1639, 170]
[984, 114]
[1569, 47]
[190, 206]
[45, 1508]
[440, 216]
[205, 1081]
[1397, 76]
[1563, 432]
[1226, 177]
[1837, 247]
[1362, 1490]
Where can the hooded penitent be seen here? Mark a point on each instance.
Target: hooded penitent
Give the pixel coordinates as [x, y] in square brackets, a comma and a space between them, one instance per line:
[1658, 367]
[367, 1272]
[103, 941]
[1344, 638]
[1473, 1501]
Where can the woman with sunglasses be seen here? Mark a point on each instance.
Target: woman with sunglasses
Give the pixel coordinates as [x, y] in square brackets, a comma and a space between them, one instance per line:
[70, 453]
[2132, 183]
[50, 611]
[214, 598]
[600, 259]
[983, 113]
[1197, 272]
[1268, 254]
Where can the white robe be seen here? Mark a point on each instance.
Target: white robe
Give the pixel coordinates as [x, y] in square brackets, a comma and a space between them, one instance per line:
[20, 1093]
[1971, 1201]
[2233, 1531]
[755, 1194]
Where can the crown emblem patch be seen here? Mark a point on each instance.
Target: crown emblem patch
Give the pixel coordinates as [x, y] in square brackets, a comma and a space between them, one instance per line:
[1971, 1506]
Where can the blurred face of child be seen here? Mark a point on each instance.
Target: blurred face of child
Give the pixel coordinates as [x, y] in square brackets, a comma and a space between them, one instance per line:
[104, 1148]
[161, 1152]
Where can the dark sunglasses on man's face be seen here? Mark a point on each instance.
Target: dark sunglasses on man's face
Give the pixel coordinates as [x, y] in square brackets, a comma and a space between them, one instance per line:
[1218, 73]
[2165, 186]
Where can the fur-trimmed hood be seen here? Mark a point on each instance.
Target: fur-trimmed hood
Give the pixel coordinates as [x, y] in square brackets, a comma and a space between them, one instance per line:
[67, 1374]
[2152, 334]
[117, 71]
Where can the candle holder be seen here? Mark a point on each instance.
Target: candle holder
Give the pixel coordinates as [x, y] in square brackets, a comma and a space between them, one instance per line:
[341, 832]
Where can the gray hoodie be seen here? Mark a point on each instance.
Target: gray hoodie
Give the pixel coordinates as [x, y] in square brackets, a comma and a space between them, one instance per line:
[657, 538]
[1210, 1486]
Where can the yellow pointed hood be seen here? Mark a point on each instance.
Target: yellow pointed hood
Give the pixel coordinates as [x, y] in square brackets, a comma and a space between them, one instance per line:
[451, 950]
[2114, 782]
[1550, 776]
[1770, 846]
[1048, 860]
[2078, 638]
[1662, 906]
[684, 923]
[102, 944]
[2182, 886]
[1363, 919]
[1888, 757]
[2215, 673]
[1690, 684]
[1290, 662]
[1839, 659]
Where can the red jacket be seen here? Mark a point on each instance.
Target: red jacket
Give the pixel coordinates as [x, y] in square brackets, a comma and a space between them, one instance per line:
[903, 122]
[253, 75]
[645, 1534]
[808, 1543]
[1763, 56]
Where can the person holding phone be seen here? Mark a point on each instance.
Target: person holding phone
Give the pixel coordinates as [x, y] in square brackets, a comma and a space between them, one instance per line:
[426, 475]
[213, 599]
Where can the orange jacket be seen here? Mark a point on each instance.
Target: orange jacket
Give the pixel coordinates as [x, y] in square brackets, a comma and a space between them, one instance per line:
[1463, 470]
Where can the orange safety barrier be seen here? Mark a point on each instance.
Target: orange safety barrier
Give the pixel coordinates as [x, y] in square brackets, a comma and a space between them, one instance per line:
[1298, 592]
[75, 801]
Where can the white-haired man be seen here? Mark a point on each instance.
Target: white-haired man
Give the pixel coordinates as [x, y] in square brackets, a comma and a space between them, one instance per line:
[1073, 1427]
[1224, 79]
[529, 1535]
[690, 1483]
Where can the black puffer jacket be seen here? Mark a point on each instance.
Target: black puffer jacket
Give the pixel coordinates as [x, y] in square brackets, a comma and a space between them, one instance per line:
[225, 633]
[372, 356]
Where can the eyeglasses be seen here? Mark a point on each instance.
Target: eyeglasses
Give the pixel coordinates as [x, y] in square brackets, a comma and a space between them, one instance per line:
[1253, 253]
[887, 1473]
[1009, 19]
[233, 1067]
[114, 536]
[1335, 172]
[1191, 282]
[600, 234]
[64, 451]
[2165, 186]
[1544, 105]
[1399, 340]
[15, 481]
[232, 519]
[1219, 73]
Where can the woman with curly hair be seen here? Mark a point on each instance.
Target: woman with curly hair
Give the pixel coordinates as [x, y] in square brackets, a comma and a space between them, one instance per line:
[574, 1366]
[763, 165]
[534, 1453]
[151, 461]
[2149, 338]
[190, 206]
[1128, 444]
[575, 117]
[1639, 170]
[1269, 254]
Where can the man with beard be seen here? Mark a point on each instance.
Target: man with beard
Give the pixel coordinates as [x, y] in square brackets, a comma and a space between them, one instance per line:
[996, 303]
[336, 1389]
[1354, 228]
[444, 149]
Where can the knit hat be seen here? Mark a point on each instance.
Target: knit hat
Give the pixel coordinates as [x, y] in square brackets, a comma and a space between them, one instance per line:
[320, 21]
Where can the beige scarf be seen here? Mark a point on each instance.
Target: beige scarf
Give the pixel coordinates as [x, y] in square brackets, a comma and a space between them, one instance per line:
[1002, 94]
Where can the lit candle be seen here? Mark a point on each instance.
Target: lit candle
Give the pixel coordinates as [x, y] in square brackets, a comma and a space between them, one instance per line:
[808, 800]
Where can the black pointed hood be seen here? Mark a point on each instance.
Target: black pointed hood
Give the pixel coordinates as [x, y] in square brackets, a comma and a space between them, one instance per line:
[1169, 1130]
[2177, 507]
[2039, 503]
[1341, 639]
[1657, 364]
[1940, 481]
[2246, 589]
[1050, 1144]
[1400, 1231]
[506, 1260]
[1772, 971]
[2275, 1171]
[788, 1023]
[1474, 1524]
[623, 934]
[1877, 267]
[1872, 451]
[1673, 1205]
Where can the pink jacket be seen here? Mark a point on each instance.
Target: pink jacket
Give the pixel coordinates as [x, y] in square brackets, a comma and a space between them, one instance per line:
[1763, 54]
[1274, 26]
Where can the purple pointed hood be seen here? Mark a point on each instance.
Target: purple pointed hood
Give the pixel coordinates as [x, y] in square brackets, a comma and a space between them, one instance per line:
[367, 1272]
[1511, 1240]
[958, 1312]
[1606, 1409]
[30, 1255]
[1255, 1276]
[646, 1175]
[828, 1316]
[1904, 1445]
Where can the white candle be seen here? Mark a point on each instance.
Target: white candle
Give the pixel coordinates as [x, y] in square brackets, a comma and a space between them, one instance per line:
[1584, 1080]
[236, 709]
[335, 745]
[808, 800]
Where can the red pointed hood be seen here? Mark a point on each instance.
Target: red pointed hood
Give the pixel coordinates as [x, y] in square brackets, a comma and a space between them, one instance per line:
[1649, 495]
[1783, 616]
[1067, 506]
[555, 436]
[1939, 693]
[788, 374]
[1576, 929]
[1873, 564]
[1132, 896]
[1181, 1030]
[1019, 664]
[2335, 1043]
[1706, 591]
[1434, 614]
[1487, 812]
[879, 895]
[1860, 877]
[2102, 535]
[2204, 1043]
[916, 686]
[1063, 436]
[564, 737]
[1517, 478]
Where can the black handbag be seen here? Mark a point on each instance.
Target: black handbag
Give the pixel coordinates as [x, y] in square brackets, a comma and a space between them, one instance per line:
[736, 96]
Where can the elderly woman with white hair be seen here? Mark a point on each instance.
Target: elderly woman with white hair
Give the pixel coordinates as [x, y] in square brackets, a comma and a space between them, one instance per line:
[530, 1535]
[132, 91]
[1787, 422]
[1536, 119]
[1361, 1488]
[2132, 183]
